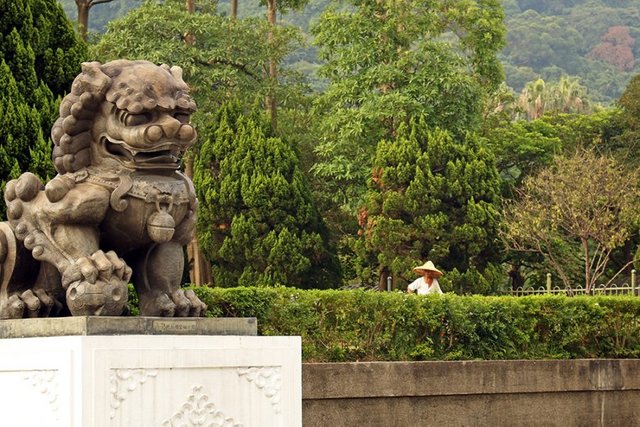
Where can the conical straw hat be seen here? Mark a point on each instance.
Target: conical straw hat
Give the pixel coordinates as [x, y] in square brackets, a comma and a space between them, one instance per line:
[428, 266]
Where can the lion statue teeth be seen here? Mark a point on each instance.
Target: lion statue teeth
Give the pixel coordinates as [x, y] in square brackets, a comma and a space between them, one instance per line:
[119, 208]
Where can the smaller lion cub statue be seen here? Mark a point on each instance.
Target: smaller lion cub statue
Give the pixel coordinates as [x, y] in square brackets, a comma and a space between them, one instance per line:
[119, 208]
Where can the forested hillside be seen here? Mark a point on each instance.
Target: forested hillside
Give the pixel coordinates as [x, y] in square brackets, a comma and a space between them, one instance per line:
[591, 39]
[594, 40]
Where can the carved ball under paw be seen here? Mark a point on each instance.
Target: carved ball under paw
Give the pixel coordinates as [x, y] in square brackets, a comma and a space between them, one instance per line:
[97, 299]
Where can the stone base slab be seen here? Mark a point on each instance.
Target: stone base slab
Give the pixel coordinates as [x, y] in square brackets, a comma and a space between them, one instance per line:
[103, 325]
[151, 380]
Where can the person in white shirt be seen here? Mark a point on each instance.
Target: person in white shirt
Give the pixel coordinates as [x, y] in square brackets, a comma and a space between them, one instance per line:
[428, 283]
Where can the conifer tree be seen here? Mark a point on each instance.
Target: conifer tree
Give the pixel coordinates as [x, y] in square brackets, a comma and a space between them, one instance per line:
[257, 223]
[434, 198]
[39, 56]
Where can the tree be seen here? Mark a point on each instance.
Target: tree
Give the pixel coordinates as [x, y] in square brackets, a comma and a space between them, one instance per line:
[435, 197]
[99, 17]
[565, 96]
[226, 60]
[36, 37]
[616, 48]
[256, 221]
[627, 142]
[629, 102]
[550, 39]
[388, 61]
[521, 148]
[233, 9]
[575, 212]
[84, 6]
[39, 57]
[272, 9]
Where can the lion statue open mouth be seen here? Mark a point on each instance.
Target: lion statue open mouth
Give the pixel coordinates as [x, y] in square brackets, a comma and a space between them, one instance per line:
[119, 207]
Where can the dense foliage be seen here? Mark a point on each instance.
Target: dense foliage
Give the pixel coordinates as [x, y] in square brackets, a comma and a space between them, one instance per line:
[357, 326]
[593, 40]
[39, 56]
[590, 39]
[389, 61]
[256, 220]
[432, 197]
[221, 59]
[575, 213]
[524, 147]
[627, 141]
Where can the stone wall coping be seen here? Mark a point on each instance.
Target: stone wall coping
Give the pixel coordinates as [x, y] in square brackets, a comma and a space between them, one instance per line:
[105, 325]
[448, 378]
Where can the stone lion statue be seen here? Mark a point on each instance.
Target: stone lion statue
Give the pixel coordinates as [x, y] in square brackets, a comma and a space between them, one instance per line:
[119, 208]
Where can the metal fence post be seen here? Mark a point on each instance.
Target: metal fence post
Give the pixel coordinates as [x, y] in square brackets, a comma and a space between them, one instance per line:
[389, 283]
[548, 283]
[633, 282]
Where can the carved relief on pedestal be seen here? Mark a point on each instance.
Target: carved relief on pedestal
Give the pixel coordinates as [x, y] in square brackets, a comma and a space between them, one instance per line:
[199, 411]
[268, 379]
[124, 381]
[46, 383]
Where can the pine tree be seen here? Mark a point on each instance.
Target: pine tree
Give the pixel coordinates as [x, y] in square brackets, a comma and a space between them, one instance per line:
[431, 198]
[39, 57]
[256, 221]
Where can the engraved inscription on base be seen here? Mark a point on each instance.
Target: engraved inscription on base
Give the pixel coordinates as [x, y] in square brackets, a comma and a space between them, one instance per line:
[174, 326]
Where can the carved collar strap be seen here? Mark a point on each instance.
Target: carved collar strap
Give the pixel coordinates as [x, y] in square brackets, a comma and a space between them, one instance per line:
[170, 192]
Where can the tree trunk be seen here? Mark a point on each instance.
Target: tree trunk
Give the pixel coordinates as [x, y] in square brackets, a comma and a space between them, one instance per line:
[83, 17]
[382, 280]
[83, 14]
[273, 66]
[199, 269]
[234, 9]
[587, 265]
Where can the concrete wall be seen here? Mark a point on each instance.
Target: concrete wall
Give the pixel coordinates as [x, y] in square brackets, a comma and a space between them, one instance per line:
[595, 392]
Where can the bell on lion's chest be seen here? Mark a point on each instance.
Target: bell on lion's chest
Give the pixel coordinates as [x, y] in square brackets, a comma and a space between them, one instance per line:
[161, 226]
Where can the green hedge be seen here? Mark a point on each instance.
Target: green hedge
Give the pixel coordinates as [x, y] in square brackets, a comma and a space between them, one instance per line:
[338, 326]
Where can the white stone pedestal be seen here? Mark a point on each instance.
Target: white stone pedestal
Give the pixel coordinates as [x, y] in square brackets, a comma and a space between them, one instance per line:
[151, 380]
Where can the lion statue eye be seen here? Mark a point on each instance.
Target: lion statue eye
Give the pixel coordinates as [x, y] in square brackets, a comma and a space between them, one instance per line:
[131, 119]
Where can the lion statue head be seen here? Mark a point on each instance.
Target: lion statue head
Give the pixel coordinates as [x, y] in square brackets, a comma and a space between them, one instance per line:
[114, 117]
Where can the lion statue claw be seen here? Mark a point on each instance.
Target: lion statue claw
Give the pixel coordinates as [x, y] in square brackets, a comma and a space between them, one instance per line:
[119, 208]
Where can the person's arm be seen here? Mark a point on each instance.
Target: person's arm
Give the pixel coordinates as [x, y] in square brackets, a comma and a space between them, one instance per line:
[411, 288]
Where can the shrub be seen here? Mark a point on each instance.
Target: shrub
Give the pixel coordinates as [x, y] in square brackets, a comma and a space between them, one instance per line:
[357, 325]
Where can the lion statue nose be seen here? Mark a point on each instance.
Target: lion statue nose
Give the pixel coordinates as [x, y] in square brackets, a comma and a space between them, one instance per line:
[170, 129]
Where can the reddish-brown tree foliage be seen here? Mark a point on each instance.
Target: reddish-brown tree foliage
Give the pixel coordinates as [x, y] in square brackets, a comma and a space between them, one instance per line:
[616, 48]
